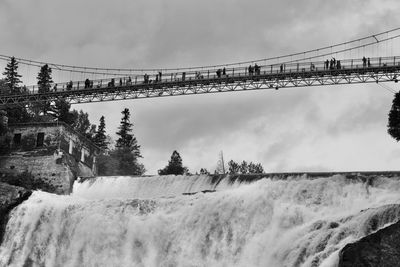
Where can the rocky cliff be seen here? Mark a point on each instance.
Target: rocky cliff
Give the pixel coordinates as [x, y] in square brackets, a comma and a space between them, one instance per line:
[380, 249]
[10, 197]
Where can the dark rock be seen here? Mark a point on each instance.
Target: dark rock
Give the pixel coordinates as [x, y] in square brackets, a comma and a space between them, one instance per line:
[208, 191]
[10, 197]
[189, 194]
[28, 181]
[381, 248]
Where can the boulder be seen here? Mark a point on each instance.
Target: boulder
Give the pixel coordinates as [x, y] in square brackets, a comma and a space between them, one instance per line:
[381, 248]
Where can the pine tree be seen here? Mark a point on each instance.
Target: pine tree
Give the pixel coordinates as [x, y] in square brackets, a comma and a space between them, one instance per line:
[394, 118]
[100, 138]
[244, 168]
[259, 168]
[234, 168]
[62, 112]
[12, 77]
[126, 139]
[204, 171]
[82, 123]
[174, 165]
[127, 150]
[91, 133]
[44, 81]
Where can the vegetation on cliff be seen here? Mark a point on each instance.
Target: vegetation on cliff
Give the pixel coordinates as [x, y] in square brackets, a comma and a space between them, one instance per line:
[10, 197]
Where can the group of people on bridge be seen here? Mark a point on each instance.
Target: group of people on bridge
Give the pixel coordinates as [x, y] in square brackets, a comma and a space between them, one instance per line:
[331, 64]
[366, 62]
[254, 70]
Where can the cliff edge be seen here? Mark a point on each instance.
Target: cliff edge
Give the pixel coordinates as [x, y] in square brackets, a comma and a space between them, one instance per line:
[380, 249]
[10, 197]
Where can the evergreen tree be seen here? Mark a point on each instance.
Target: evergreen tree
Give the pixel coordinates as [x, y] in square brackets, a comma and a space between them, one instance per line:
[394, 118]
[91, 133]
[100, 138]
[12, 80]
[127, 150]
[62, 112]
[252, 167]
[82, 124]
[3, 87]
[174, 165]
[44, 81]
[234, 168]
[126, 139]
[259, 168]
[244, 168]
[10, 85]
[204, 171]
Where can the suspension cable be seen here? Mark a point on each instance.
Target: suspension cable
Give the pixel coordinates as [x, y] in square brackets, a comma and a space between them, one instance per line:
[97, 70]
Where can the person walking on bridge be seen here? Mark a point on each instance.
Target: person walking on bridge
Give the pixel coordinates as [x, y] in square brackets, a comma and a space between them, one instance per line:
[257, 69]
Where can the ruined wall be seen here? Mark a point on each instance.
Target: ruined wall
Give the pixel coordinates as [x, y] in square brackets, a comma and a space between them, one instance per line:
[45, 138]
[50, 155]
[52, 172]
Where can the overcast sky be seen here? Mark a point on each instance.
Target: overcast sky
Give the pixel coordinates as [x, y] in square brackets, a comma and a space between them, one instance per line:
[331, 128]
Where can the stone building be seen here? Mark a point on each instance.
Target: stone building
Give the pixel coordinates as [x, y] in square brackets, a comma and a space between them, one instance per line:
[51, 153]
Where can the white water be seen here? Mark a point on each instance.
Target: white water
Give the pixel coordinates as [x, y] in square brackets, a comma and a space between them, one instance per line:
[147, 221]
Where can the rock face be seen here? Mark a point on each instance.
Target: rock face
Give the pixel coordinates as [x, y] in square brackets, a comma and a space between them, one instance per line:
[10, 197]
[380, 249]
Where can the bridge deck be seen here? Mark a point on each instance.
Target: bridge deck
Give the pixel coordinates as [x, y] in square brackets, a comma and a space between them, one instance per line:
[200, 82]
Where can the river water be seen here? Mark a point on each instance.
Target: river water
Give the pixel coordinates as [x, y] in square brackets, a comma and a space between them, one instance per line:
[168, 221]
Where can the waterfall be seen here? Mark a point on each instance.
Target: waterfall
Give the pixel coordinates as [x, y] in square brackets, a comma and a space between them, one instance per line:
[151, 221]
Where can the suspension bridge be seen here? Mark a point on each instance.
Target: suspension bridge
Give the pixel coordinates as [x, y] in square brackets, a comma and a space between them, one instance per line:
[363, 60]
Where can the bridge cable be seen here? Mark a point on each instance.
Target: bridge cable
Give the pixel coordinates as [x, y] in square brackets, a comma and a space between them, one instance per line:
[60, 66]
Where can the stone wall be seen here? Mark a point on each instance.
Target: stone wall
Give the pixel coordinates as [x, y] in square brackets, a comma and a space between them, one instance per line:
[45, 138]
[46, 156]
[52, 173]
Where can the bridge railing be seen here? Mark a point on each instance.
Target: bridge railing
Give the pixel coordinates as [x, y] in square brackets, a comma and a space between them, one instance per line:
[215, 74]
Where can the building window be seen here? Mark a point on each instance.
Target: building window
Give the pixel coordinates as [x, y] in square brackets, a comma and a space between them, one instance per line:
[40, 140]
[17, 139]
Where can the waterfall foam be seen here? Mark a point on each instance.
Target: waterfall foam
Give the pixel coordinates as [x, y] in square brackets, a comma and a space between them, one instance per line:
[124, 221]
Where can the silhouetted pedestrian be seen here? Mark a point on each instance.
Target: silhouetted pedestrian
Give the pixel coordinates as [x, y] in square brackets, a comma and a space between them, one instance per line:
[369, 62]
[364, 60]
[218, 73]
[257, 69]
[338, 65]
